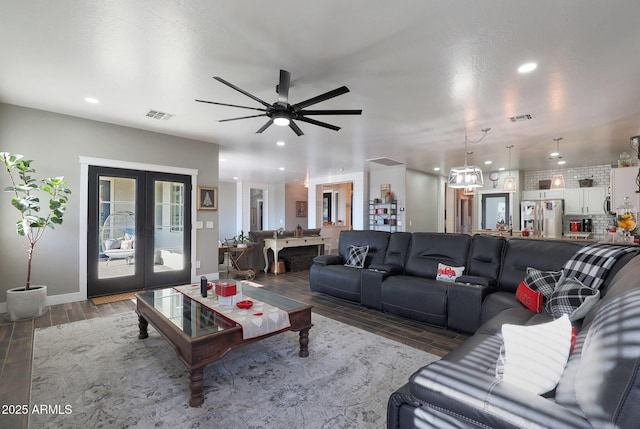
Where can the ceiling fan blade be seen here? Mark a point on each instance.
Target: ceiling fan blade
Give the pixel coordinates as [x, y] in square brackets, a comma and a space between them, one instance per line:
[296, 129]
[242, 117]
[265, 126]
[314, 122]
[231, 105]
[264, 103]
[283, 87]
[321, 97]
[329, 112]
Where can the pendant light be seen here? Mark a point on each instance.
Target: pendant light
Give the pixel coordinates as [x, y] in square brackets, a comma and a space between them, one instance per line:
[467, 176]
[510, 181]
[557, 181]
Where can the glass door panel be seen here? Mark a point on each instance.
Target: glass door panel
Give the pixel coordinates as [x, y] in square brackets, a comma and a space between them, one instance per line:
[168, 229]
[116, 226]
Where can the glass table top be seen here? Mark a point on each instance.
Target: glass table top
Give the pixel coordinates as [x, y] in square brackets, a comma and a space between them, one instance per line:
[196, 320]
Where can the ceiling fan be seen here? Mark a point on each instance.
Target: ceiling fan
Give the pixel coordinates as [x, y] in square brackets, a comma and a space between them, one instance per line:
[281, 112]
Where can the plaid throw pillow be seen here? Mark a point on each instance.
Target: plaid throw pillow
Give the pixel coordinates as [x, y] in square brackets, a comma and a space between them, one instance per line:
[357, 256]
[592, 263]
[542, 281]
[572, 298]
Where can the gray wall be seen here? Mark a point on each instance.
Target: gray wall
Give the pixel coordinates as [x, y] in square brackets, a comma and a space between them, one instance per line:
[56, 142]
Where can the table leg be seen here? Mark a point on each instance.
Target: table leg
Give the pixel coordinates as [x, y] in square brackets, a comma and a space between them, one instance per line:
[196, 378]
[275, 261]
[266, 259]
[142, 325]
[304, 343]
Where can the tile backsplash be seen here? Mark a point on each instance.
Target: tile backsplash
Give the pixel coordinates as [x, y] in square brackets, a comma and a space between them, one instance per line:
[600, 176]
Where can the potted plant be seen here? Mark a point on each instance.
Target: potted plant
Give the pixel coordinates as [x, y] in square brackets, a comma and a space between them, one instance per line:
[30, 301]
[242, 239]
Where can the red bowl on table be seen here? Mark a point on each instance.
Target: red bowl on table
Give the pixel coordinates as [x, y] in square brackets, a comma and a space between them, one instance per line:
[245, 304]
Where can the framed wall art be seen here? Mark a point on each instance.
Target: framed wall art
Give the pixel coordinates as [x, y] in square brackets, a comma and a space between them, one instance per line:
[301, 209]
[207, 198]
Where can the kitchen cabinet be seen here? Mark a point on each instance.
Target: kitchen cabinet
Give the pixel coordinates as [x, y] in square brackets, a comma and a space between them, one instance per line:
[623, 184]
[543, 194]
[584, 201]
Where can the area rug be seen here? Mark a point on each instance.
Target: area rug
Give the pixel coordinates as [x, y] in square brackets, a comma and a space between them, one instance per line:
[97, 373]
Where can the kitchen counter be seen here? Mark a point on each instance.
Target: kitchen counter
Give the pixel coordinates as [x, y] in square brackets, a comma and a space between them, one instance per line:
[569, 236]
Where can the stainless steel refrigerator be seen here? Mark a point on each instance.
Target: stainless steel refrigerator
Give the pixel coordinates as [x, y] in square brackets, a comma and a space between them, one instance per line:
[542, 218]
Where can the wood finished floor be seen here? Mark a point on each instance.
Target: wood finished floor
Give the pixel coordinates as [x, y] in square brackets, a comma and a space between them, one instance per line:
[16, 338]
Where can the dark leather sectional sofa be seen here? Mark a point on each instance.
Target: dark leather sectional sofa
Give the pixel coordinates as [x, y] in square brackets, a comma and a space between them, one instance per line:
[600, 387]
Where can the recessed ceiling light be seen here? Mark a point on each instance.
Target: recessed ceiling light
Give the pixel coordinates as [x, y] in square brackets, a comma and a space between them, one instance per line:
[488, 162]
[281, 169]
[235, 178]
[91, 100]
[280, 143]
[436, 169]
[501, 169]
[527, 67]
[562, 162]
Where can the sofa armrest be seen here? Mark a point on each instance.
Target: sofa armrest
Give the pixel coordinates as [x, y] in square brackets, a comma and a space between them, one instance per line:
[387, 268]
[479, 397]
[328, 260]
[464, 306]
[371, 286]
[476, 280]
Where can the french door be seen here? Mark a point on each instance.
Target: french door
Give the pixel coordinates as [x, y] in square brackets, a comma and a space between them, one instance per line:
[139, 230]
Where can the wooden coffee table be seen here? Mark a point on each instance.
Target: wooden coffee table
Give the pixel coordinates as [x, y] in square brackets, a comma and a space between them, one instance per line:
[200, 335]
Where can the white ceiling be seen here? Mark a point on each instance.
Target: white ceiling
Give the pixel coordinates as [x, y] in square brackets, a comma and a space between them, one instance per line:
[423, 72]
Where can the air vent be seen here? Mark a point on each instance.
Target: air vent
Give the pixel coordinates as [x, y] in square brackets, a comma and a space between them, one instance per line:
[155, 114]
[521, 118]
[385, 161]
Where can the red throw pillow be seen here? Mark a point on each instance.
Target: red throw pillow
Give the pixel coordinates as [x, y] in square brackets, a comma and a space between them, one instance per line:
[531, 299]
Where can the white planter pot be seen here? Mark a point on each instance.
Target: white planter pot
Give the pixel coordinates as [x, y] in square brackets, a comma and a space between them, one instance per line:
[242, 245]
[26, 304]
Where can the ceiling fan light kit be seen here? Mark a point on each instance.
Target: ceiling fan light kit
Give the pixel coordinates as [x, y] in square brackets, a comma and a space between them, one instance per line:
[281, 112]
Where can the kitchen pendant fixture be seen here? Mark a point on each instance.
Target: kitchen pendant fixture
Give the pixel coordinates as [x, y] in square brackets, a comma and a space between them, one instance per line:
[510, 181]
[467, 176]
[557, 181]
[556, 154]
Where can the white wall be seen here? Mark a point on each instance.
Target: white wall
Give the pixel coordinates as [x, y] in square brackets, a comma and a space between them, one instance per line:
[424, 202]
[56, 143]
[227, 210]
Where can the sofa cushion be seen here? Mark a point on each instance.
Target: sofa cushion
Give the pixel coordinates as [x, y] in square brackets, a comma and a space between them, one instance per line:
[572, 298]
[484, 257]
[336, 280]
[428, 249]
[416, 298]
[376, 240]
[447, 273]
[602, 378]
[397, 249]
[533, 357]
[530, 298]
[592, 263]
[549, 255]
[542, 281]
[356, 256]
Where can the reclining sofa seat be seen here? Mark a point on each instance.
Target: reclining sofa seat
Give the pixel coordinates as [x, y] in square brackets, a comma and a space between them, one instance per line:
[600, 386]
[329, 275]
[416, 294]
[480, 278]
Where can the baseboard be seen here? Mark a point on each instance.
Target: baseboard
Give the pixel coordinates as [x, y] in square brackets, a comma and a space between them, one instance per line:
[79, 296]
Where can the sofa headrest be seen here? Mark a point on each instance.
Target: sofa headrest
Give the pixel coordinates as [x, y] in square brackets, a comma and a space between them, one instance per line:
[427, 249]
[545, 255]
[376, 240]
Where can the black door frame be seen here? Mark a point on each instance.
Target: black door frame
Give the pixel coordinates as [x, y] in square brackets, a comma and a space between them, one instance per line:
[144, 276]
